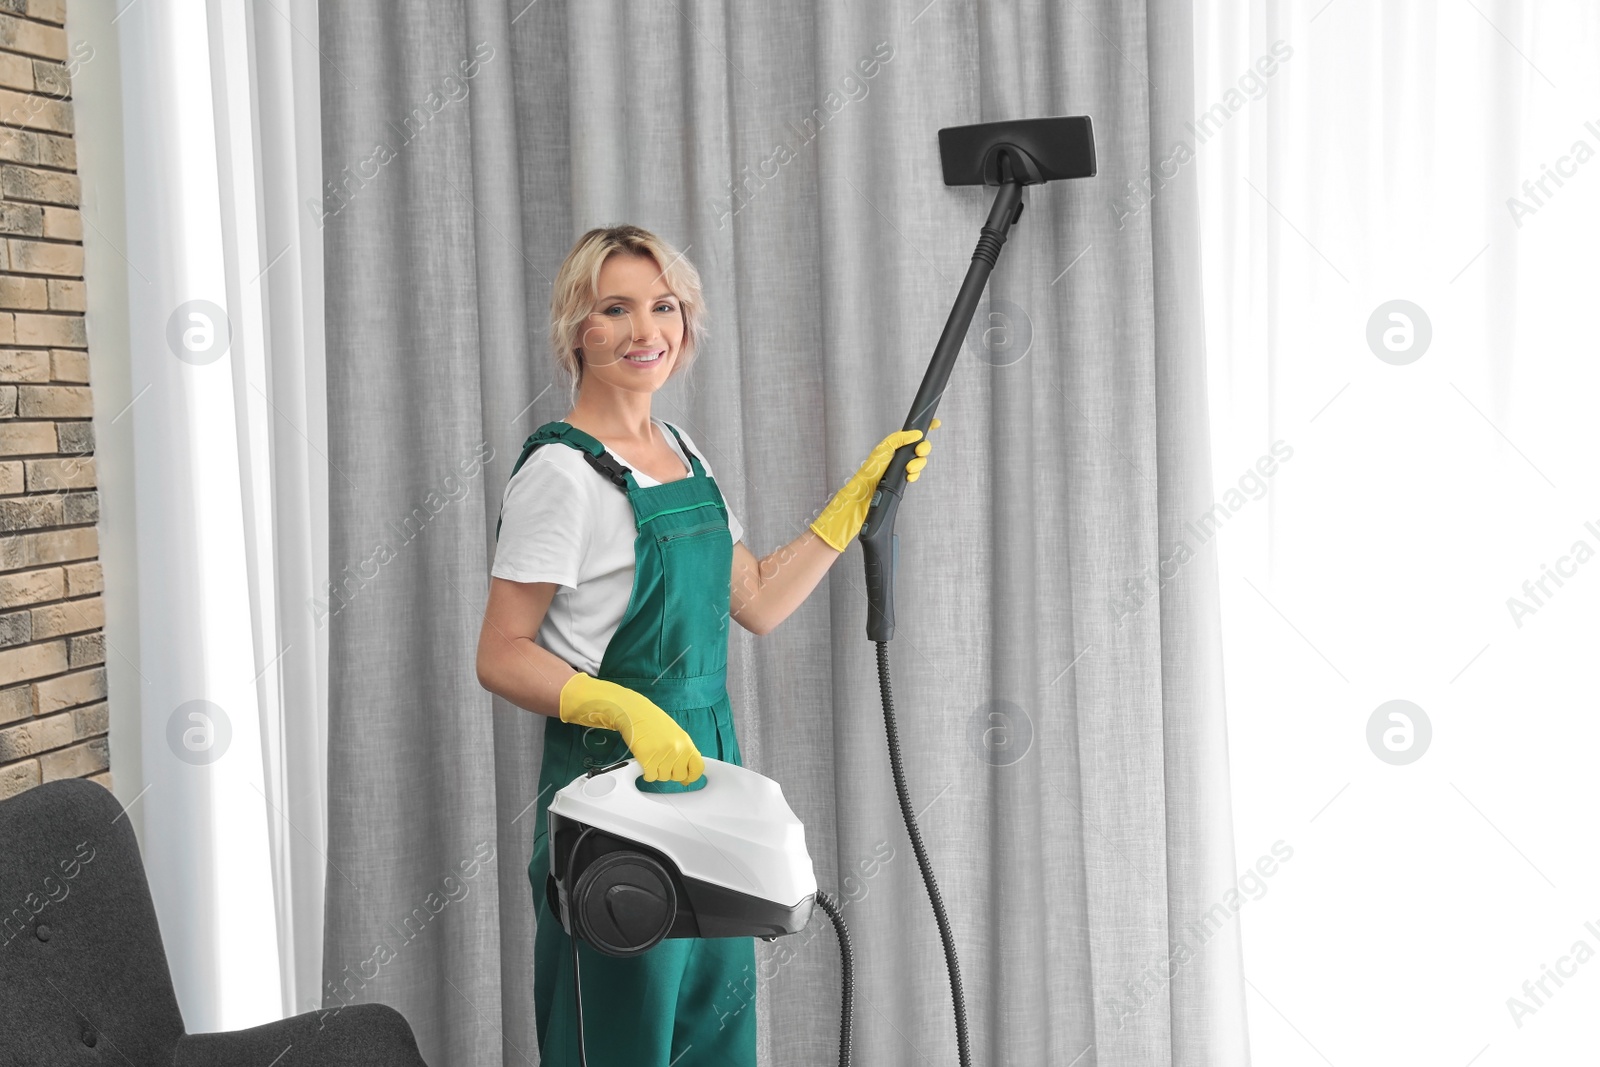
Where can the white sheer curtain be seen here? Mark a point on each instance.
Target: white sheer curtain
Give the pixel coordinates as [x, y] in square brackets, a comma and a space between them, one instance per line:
[221, 151]
[1443, 154]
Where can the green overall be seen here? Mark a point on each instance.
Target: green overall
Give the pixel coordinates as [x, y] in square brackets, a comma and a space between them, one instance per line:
[687, 1002]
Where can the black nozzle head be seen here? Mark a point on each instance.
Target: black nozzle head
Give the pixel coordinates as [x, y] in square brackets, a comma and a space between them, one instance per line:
[1034, 151]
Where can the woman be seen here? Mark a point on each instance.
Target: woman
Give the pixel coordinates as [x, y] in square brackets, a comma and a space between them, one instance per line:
[617, 567]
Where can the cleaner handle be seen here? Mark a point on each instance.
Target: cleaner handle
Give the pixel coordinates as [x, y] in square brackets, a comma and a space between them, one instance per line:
[880, 548]
[879, 543]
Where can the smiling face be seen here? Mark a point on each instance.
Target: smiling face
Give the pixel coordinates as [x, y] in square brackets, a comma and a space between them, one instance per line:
[635, 316]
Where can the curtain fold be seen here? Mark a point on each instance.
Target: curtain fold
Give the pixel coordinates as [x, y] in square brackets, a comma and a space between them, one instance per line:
[1440, 155]
[1057, 681]
[224, 276]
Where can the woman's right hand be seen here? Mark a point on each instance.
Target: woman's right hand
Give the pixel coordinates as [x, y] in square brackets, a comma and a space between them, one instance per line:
[662, 747]
[846, 513]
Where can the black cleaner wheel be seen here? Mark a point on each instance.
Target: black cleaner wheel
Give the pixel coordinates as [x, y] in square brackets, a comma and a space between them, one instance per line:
[624, 903]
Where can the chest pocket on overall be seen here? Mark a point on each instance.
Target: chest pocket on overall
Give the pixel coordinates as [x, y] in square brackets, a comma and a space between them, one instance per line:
[696, 555]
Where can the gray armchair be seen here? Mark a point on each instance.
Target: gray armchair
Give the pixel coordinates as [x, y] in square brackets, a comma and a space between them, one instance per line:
[83, 974]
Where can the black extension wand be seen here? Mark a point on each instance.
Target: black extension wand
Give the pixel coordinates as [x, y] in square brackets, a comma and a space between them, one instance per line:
[1010, 155]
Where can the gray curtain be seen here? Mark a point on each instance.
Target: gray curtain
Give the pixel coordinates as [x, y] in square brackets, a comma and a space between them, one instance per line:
[1056, 663]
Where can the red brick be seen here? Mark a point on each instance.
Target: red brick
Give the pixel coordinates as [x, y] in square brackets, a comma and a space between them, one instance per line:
[84, 578]
[19, 777]
[27, 438]
[56, 693]
[54, 402]
[69, 617]
[20, 35]
[35, 736]
[76, 762]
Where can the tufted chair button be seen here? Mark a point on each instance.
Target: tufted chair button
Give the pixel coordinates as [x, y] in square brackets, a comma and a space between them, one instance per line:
[90, 1037]
[42, 932]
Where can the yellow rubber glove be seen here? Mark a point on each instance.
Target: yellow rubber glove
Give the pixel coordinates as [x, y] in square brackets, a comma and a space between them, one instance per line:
[662, 747]
[842, 519]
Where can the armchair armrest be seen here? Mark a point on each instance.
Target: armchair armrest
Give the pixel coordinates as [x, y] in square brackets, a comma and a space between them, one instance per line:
[359, 1035]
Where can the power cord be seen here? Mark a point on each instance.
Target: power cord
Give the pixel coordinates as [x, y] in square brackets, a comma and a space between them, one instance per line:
[572, 936]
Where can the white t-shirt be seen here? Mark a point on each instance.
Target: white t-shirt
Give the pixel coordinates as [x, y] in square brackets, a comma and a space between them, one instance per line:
[563, 522]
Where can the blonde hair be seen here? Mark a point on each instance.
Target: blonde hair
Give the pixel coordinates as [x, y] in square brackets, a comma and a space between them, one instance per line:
[577, 284]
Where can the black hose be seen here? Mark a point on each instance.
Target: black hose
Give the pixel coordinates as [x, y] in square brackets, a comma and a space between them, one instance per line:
[953, 964]
[831, 906]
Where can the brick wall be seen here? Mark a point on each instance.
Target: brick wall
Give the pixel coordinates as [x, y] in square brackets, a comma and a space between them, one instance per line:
[52, 651]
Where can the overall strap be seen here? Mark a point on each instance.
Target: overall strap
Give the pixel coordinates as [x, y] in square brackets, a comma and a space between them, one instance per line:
[694, 460]
[592, 450]
[610, 468]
